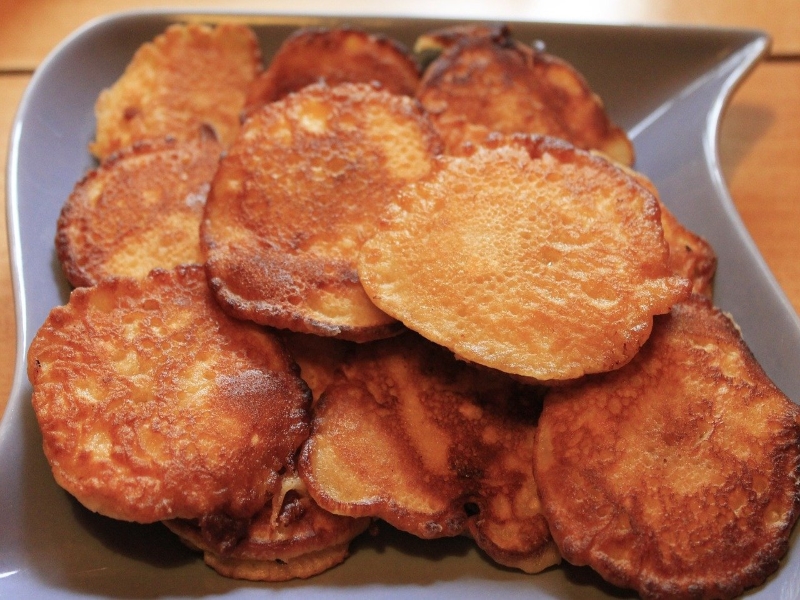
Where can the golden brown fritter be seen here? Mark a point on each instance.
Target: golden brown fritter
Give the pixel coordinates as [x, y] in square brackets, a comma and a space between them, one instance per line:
[154, 404]
[484, 81]
[535, 258]
[292, 537]
[431, 445]
[340, 55]
[140, 209]
[296, 196]
[189, 76]
[679, 474]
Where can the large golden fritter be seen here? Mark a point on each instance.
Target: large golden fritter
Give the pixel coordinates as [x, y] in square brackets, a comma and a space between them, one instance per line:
[140, 209]
[189, 76]
[341, 55]
[292, 537]
[486, 82]
[298, 193]
[433, 446]
[679, 474]
[154, 404]
[535, 259]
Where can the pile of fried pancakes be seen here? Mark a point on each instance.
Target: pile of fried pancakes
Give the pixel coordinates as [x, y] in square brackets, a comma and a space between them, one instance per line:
[343, 288]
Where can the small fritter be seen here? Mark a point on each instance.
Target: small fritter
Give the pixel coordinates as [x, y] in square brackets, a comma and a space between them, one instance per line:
[292, 537]
[189, 76]
[140, 209]
[154, 404]
[533, 258]
[341, 55]
[295, 197]
[433, 446]
[679, 474]
[484, 81]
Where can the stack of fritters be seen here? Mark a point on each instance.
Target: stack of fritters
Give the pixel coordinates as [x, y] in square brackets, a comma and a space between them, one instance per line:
[355, 201]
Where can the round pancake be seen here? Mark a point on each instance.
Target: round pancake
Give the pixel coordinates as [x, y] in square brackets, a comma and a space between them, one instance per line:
[431, 445]
[533, 258]
[189, 76]
[297, 539]
[153, 404]
[295, 197]
[140, 209]
[340, 55]
[486, 82]
[679, 474]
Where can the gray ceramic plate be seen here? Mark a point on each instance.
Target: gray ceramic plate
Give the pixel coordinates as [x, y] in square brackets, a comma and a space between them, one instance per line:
[666, 86]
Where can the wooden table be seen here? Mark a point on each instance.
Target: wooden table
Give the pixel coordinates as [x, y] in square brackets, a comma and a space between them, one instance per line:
[760, 137]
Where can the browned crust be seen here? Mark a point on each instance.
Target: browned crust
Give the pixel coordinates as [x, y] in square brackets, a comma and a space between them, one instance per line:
[485, 82]
[140, 209]
[153, 404]
[306, 183]
[678, 475]
[476, 222]
[189, 76]
[340, 55]
[410, 435]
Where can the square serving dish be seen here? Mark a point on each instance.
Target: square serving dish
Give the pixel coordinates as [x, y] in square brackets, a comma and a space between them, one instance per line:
[666, 86]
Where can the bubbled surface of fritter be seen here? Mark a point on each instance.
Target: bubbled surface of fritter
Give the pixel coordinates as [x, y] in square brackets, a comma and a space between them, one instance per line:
[189, 76]
[291, 537]
[339, 55]
[535, 259]
[153, 404]
[433, 446]
[486, 82]
[140, 209]
[679, 474]
[301, 189]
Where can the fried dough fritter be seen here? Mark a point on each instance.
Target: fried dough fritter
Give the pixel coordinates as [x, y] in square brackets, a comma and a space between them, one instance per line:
[295, 197]
[140, 209]
[484, 82]
[679, 474]
[189, 76]
[339, 55]
[297, 539]
[431, 445]
[535, 258]
[154, 404]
